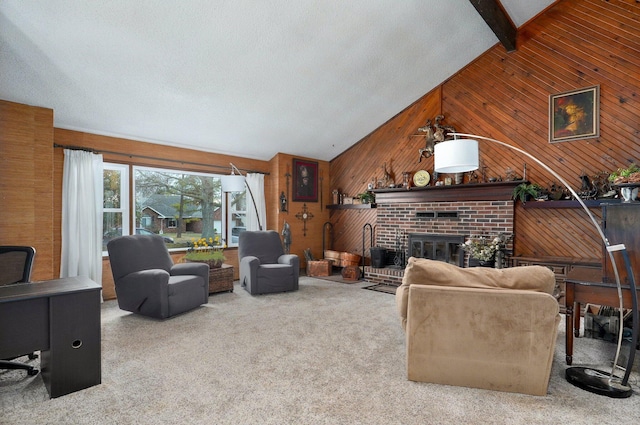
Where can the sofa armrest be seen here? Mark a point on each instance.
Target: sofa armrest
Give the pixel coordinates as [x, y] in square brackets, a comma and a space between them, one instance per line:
[198, 269]
[290, 259]
[294, 261]
[144, 292]
[193, 269]
[248, 272]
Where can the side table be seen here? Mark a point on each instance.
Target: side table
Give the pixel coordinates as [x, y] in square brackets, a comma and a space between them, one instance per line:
[585, 285]
[221, 279]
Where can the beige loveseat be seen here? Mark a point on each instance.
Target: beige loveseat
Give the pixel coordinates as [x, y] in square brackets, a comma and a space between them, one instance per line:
[479, 327]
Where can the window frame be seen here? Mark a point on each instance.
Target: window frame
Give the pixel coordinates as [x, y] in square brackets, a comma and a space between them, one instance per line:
[124, 196]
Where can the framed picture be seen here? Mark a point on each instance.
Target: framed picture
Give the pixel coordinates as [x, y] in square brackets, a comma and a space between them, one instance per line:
[305, 181]
[574, 115]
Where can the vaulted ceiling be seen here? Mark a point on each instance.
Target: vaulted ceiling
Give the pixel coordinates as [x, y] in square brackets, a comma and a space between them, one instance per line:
[244, 77]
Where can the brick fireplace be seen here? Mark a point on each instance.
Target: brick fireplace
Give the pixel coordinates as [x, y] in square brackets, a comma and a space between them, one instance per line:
[482, 209]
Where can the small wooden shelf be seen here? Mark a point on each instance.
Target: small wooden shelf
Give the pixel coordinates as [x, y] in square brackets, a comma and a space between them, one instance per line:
[590, 203]
[350, 206]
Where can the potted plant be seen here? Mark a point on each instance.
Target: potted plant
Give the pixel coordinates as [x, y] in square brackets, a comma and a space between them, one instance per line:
[483, 249]
[203, 250]
[367, 197]
[627, 180]
[526, 191]
[631, 174]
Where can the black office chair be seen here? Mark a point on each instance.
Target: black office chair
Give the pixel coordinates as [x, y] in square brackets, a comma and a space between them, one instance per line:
[15, 267]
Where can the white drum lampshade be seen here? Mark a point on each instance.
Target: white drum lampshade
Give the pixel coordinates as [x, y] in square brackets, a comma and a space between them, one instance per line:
[456, 156]
[232, 183]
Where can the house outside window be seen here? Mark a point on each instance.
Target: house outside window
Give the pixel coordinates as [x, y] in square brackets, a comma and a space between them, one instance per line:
[182, 204]
[178, 204]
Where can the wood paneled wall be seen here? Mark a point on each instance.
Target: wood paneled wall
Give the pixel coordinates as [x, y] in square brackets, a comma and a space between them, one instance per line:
[281, 165]
[26, 182]
[574, 44]
[393, 144]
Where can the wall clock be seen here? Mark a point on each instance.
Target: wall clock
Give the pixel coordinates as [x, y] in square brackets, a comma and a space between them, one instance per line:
[421, 178]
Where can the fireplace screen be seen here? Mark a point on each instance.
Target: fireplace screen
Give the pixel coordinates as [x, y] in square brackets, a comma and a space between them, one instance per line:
[437, 247]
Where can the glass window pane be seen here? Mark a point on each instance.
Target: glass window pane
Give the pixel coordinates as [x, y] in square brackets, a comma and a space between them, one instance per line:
[112, 184]
[180, 205]
[111, 226]
[440, 251]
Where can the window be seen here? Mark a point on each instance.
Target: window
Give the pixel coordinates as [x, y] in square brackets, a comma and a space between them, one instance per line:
[115, 216]
[237, 215]
[179, 205]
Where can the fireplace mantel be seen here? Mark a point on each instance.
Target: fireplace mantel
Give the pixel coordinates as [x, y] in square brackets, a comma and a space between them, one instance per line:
[498, 191]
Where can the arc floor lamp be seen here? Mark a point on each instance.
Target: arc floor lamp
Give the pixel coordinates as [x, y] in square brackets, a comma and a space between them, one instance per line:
[461, 155]
[237, 183]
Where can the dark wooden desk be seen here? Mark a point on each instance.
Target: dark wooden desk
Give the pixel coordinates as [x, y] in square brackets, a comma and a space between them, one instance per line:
[585, 285]
[61, 319]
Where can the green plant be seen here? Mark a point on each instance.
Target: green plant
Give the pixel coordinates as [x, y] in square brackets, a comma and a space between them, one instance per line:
[524, 191]
[484, 248]
[367, 197]
[204, 249]
[625, 175]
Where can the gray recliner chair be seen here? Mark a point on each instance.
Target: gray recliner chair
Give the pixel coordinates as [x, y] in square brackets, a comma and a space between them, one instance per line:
[264, 267]
[148, 283]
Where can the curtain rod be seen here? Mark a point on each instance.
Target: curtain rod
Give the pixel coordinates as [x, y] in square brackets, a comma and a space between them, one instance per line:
[82, 148]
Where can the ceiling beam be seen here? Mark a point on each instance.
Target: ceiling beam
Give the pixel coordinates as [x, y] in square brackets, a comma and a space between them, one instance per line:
[498, 20]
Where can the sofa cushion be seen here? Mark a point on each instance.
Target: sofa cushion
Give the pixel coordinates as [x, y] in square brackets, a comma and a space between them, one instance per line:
[421, 271]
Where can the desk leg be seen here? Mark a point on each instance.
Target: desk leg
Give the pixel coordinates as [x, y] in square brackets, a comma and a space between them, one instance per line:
[73, 361]
[569, 320]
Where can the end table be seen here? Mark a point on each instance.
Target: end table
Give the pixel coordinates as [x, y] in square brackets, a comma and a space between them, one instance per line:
[221, 279]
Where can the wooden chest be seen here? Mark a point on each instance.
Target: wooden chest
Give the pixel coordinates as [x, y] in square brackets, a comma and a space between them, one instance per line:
[319, 268]
[351, 273]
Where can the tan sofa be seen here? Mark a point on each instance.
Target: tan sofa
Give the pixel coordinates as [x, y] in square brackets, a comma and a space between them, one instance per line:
[479, 327]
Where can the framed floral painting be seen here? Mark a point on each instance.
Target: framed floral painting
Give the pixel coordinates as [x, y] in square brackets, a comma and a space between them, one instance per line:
[574, 115]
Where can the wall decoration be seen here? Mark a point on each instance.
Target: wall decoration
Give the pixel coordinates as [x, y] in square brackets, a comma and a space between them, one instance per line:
[435, 132]
[304, 215]
[574, 115]
[305, 181]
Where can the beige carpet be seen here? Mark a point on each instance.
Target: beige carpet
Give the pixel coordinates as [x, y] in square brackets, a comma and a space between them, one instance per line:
[329, 353]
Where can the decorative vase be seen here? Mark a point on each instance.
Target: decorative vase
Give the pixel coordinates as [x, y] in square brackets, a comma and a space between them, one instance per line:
[474, 262]
[628, 191]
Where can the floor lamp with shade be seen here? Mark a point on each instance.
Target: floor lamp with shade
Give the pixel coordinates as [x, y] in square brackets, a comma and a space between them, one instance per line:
[461, 155]
[237, 183]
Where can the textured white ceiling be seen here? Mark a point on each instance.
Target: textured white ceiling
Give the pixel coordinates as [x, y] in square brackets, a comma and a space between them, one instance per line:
[242, 77]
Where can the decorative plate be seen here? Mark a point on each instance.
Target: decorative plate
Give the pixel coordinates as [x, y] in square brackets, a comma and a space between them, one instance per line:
[421, 178]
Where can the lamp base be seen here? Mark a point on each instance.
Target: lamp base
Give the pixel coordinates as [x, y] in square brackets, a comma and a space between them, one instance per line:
[597, 381]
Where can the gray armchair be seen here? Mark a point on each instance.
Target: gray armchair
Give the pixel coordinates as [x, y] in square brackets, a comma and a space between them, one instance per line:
[148, 283]
[264, 267]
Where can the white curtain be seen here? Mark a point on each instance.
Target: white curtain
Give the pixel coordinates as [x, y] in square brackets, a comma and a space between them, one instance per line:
[256, 182]
[82, 215]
